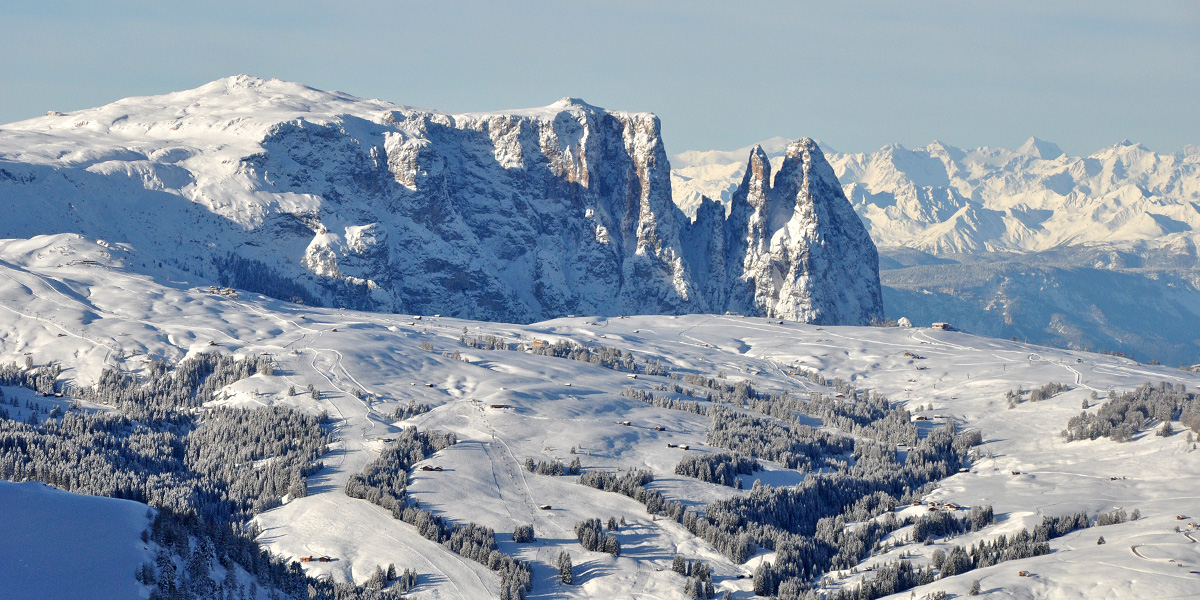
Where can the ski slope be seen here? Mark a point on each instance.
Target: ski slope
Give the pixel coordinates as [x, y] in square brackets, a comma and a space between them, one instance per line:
[73, 300]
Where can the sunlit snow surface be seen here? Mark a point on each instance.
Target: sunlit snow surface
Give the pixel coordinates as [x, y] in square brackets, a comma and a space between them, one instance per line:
[67, 299]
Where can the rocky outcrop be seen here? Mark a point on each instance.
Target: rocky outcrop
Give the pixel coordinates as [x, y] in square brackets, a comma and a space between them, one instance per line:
[796, 248]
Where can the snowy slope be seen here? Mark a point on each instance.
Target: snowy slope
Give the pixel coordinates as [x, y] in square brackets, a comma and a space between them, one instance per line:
[56, 306]
[335, 200]
[64, 545]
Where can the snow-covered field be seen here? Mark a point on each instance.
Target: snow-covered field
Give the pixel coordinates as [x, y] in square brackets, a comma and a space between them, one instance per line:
[67, 299]
[63, 545]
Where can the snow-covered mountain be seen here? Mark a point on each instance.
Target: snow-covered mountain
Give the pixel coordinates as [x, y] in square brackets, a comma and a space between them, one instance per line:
[1093, 252]
[331, 199]
[939, 198]
[1049, 298]
[789, 244]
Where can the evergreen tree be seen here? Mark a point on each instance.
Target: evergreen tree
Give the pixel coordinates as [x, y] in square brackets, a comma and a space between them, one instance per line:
[564, 568]
[612, 545]
[523, 534]
[679, 565]
[764, 581]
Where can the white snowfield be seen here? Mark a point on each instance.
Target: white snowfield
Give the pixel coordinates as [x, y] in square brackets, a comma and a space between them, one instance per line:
[939, 198]
[63, 545]
[69, 299]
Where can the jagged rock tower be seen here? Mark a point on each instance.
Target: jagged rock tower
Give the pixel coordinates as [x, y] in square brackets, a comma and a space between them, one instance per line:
[795, 248]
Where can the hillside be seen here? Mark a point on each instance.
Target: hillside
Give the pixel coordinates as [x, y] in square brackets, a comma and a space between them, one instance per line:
[68, 300]
[1054, 298]
[70, 546]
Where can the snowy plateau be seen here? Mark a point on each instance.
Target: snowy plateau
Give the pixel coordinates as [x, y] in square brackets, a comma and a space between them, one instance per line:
[1095, 252]
[471, 377]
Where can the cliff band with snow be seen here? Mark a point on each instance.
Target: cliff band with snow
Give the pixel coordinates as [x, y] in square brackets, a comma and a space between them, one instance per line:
[523, 215]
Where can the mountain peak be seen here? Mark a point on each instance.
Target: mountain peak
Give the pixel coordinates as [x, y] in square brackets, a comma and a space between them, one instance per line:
[805, 254]
[568, 101]
[774, 146]
[1126, 143]
[244, 81]
[757, 153]
[802, 145]
[940, 149]
[1038, 148]
[240, 84]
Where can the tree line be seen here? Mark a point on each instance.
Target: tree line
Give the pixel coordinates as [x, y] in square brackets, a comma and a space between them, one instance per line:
[204, 471]
[900, 575]
[1124, 415]
[721, 468]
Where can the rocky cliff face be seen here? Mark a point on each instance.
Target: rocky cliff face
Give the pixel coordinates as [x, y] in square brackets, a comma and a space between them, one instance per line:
[515, 216]
[796, 249]
[498, 216]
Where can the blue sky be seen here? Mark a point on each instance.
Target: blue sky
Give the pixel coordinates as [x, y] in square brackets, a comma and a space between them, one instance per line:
[720, 74]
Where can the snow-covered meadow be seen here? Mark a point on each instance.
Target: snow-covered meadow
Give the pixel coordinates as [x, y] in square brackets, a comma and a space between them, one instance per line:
[74, 301]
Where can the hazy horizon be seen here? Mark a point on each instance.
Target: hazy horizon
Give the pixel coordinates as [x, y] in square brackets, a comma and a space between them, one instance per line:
[1081, 75]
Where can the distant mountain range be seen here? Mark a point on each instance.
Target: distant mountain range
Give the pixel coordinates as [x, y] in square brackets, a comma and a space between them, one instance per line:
[941, 199]
[1096, 252]
[515, 216]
